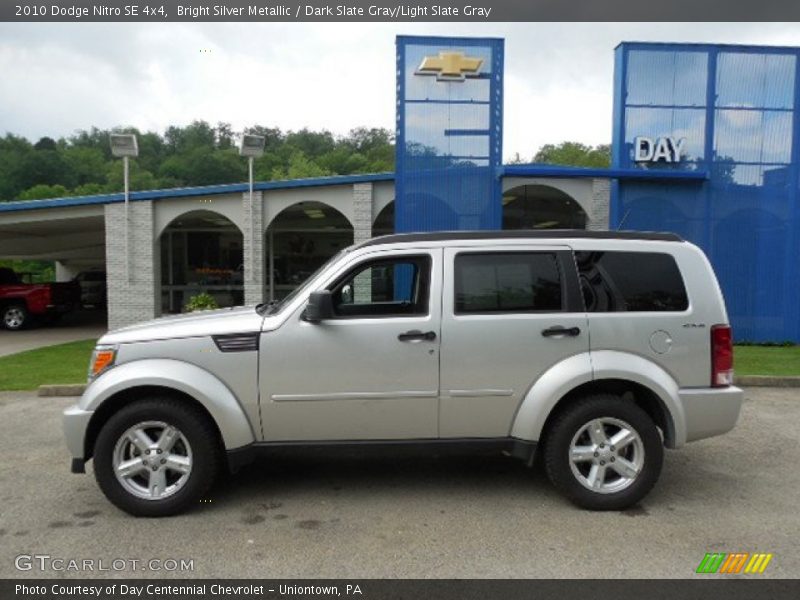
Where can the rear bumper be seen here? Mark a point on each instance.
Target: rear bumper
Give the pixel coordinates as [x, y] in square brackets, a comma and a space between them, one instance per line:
[710, 411]
[75, 422]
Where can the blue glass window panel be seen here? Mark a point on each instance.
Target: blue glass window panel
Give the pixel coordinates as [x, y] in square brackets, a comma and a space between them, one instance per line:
[687, 123]
[667, 78]
[426, 87]
[755, 80]
[753, 136]
[426, 125]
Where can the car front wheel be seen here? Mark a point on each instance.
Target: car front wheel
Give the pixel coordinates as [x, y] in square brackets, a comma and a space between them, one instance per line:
[156, 457]
[15, 317]
[603, 453]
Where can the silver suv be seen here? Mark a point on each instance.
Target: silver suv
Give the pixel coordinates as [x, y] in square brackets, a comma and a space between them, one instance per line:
[596, 349]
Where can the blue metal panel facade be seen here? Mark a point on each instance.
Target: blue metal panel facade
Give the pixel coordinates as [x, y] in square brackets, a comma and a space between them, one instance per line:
[736, 108]
[449, 136]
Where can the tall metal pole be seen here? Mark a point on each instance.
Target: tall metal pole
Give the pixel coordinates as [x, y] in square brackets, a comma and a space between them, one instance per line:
[252, 223]
[127, 221]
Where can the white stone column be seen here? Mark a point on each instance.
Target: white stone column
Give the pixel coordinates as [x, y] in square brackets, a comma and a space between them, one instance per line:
[133, 286]
[599, 212]
[362, 231]
[362, 212]
[254, 255]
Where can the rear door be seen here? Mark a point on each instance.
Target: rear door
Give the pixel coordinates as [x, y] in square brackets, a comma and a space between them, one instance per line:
[508, 315]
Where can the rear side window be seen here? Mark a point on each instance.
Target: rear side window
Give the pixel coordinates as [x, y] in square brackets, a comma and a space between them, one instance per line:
[507, 282]
[631, 282]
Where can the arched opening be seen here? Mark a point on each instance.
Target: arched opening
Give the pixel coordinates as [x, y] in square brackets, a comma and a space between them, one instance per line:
[384, 222]
[541, 207]
[201, 251]
[299, 241]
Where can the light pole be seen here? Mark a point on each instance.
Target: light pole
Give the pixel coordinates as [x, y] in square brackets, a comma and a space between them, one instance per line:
[252, 147]
[124, 145]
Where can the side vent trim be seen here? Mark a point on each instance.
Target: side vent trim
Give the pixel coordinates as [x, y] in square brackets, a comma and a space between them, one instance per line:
[237, 342]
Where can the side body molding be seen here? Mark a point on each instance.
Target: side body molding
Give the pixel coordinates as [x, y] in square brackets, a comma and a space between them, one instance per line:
[178, 375]
[583, 368]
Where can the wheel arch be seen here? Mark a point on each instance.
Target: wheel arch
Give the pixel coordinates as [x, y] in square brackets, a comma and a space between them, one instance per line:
[128, 382]
[627, 390]
[117, 401]
[640, 381]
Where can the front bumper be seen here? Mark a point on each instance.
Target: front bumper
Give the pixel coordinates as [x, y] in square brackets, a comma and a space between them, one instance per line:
[75, 422]
[710, 411]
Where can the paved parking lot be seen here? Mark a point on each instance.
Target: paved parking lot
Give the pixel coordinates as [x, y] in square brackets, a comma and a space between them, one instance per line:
[80, 325]
[384, 517]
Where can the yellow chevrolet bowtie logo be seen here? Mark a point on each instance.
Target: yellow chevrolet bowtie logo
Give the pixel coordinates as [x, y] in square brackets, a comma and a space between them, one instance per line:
[450, 66]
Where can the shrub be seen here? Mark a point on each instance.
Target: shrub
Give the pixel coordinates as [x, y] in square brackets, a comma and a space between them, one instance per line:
[202, 301]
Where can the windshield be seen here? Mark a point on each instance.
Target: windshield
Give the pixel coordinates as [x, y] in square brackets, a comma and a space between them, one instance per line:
[279, 305]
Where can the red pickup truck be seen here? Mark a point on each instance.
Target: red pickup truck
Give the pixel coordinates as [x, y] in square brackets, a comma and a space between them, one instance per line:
[21, 303]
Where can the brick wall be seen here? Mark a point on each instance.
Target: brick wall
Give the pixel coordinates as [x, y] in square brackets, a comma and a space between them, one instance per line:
[599, 212]
[253, 246]
[132, 275]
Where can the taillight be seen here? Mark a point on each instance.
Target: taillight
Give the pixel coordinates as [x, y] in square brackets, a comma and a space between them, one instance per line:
[721, 356]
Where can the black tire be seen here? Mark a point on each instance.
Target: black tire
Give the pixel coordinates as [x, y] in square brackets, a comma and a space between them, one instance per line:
[198, 431]
[572, 420]
[15, 317]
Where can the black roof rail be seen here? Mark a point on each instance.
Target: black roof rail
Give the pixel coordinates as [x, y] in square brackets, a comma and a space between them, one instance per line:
[537, 234]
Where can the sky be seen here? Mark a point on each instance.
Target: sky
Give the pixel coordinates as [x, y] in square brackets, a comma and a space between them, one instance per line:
[60, 78]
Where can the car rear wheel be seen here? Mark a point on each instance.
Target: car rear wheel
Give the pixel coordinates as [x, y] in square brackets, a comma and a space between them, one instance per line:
[15, 316]
[156, 457]
[603, 453]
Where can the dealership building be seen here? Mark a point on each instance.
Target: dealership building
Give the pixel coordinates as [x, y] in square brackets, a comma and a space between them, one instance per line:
[705, 144]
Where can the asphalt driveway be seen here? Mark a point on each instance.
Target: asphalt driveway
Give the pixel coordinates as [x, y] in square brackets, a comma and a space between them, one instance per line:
[81, 325]
[434, 517]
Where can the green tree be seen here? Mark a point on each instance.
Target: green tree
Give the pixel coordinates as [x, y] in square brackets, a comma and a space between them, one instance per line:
[300, 166]
[574, 154]
[42, 191]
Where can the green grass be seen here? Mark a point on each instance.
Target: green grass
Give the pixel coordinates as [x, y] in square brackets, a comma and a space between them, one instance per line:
[766, 360]
[64, 363]
[67, 363]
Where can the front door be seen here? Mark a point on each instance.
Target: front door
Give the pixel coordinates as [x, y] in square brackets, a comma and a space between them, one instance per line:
[369, 373]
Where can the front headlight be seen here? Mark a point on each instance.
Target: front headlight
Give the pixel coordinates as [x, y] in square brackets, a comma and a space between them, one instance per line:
[103, 358]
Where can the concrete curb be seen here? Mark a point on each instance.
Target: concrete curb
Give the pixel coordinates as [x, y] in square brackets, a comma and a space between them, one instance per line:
[74, 389]
[767, 381]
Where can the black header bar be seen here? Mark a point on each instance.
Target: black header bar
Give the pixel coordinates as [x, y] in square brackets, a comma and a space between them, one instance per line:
[478, 11]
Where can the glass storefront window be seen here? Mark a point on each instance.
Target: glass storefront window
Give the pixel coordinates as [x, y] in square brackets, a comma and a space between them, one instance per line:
[751, 80]
[666, 78]
[201, 251]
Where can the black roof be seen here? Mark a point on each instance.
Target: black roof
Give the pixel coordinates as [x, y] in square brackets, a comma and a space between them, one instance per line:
[536, 234]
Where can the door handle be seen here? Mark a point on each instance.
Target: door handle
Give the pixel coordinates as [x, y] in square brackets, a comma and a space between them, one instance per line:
[415, 335]
[559, 331]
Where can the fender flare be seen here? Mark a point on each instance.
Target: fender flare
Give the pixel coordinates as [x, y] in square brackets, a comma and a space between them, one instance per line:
[190, 379]
[577, 370]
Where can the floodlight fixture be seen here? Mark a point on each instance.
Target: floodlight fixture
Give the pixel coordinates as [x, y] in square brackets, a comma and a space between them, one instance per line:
[252, 145]
[123, 145]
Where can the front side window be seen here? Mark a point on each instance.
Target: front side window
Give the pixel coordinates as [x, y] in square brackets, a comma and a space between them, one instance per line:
[385, 287]
[507, 282]
[630, 282]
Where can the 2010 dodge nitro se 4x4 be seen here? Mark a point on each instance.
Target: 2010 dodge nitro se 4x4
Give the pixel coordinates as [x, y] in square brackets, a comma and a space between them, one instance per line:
[596, 349]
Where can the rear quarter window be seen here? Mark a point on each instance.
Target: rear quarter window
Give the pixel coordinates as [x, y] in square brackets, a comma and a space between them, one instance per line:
[631, 282]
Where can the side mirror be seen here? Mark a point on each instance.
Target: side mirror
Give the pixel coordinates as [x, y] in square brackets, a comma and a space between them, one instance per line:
[319, 307]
